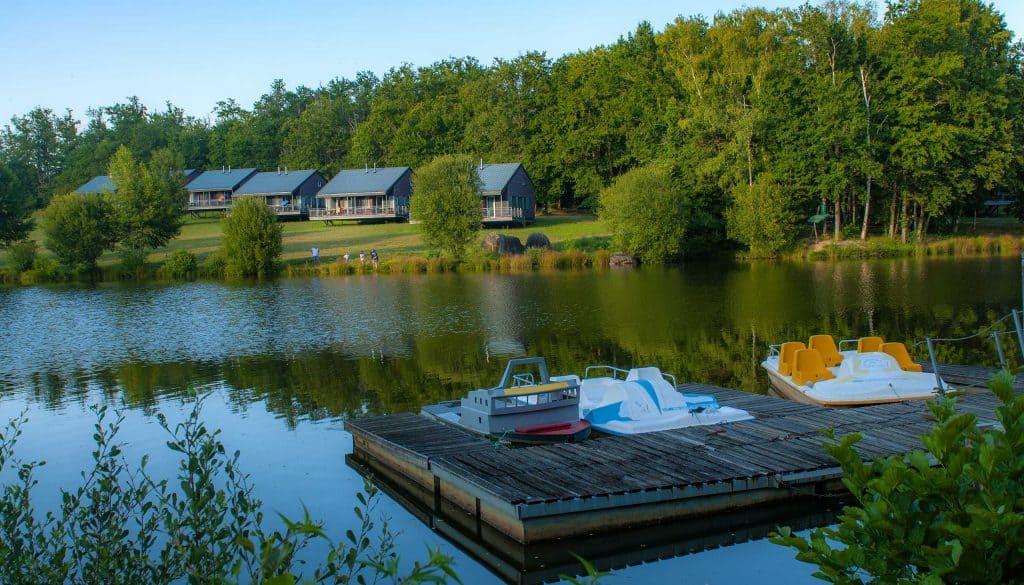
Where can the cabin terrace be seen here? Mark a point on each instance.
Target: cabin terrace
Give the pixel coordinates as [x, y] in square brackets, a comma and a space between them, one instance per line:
[365, 194]
[287, 193]
[506, 193]
[214, 190]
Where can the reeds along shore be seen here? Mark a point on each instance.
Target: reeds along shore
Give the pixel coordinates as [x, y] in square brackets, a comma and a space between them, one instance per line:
[47, 270]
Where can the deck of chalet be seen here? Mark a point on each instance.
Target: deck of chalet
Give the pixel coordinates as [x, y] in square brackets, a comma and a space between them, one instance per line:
[541, 493]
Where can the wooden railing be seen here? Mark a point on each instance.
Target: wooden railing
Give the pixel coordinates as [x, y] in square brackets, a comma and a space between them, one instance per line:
[354, 212]
[204, 204]
[285, 209]
[497, 212]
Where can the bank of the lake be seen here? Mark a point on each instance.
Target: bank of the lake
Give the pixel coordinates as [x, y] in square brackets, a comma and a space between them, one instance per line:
[578, 241]
[287, 361]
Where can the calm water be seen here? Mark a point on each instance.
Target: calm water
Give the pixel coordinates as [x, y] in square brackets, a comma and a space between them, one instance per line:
[286, 362]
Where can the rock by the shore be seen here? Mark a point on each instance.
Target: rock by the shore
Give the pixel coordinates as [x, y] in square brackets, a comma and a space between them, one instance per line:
[620, 260]
[538, 240]
[502, 244]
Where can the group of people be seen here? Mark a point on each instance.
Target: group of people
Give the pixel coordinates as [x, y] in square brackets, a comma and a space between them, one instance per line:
[362, 258]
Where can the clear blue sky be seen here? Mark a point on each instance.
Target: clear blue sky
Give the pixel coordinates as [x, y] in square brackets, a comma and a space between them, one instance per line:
[77, 54]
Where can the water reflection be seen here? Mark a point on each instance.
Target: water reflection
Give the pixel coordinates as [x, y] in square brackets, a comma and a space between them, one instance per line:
[349, 346]
[287, 359]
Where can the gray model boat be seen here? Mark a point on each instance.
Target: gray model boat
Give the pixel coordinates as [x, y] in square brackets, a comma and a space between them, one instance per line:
[522, 408]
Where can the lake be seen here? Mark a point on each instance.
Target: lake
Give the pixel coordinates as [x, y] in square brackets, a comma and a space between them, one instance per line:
[285, 362]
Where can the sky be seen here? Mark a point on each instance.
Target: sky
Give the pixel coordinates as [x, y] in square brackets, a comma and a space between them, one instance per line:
[78, 54]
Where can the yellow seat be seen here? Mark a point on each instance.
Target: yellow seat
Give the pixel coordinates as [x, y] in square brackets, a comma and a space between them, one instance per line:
[865, 344]
[827, 347]
[810, 367]
[899, 351]
[787, 356]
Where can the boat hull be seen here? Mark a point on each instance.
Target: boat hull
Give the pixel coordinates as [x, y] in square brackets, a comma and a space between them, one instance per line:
[864, 395]
[542, 434]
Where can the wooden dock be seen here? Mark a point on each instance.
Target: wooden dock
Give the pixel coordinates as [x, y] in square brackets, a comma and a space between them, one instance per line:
[540, 493]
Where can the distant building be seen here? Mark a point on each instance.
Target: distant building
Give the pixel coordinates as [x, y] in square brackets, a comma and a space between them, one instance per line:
[366, 194]
[286, 193]
[97, 185]
[507, 193]
[191, 174]
[213, 190]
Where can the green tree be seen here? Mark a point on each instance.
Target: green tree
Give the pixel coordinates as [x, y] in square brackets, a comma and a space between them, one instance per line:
[78, 228]
[648, 213]
[252, 239]
[760, 217]
[14, 213]
[148, 204]
[949, 514]
[447, 203]
[35, 147]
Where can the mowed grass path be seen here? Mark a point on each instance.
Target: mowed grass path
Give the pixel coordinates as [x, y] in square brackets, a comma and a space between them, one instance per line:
[203, 236]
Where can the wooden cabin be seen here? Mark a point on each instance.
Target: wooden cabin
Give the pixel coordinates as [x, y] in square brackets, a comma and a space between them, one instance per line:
[213, 190]
[365, 194]
[98, 184]
[507, 194]
[287, 193]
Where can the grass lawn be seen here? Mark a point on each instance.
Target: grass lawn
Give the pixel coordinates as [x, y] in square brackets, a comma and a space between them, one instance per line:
[202, 236]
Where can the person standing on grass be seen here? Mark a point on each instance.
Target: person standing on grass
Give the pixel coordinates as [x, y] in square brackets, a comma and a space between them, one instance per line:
[346, 257]
[316, 255]
[375, 258]
[362, 257]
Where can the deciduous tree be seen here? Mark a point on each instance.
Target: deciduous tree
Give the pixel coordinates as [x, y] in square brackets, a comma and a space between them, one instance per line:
[446, 203]
[14, 210]
[78, 228]
[252, 239]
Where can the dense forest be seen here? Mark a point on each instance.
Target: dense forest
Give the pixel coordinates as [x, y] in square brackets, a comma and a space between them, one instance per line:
[902, 122]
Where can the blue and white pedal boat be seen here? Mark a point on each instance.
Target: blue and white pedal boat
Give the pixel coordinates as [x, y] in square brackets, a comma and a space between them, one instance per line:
[644, 400]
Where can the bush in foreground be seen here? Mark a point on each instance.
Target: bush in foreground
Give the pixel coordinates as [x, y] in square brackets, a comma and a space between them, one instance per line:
[951, 514]
[203, 526]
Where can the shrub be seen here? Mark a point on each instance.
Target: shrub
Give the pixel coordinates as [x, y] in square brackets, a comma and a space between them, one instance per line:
[213, 266]
[447, 203]
[79, 228]
[760, 218]
[953, 513]
[648, 213]
[202, 526]
[21, 255]
[252, 239]
[179, 264]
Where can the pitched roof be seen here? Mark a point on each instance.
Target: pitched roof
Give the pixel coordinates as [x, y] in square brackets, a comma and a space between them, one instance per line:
[223, 180]
[363, 181]
[493, 178]
[275, 182]
[97, 185]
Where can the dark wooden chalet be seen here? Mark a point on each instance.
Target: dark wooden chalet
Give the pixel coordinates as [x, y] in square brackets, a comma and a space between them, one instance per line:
[213, 190]
[507, 194]
[98, 184]
[366, 194]
[287, 193]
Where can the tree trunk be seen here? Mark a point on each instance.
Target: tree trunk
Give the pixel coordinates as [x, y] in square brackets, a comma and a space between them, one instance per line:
[867, 212]
[904, 220]
[892, 215]
[838, 219]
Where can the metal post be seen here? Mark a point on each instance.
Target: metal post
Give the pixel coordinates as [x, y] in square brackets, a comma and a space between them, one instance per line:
[1020, 333]
[999, 349]
[935, 367]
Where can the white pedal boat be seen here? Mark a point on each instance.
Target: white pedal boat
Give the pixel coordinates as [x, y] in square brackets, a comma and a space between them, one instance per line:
[643, 400]
[874, 373]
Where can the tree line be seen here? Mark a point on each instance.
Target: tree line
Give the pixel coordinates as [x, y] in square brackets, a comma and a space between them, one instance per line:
[900, 123]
